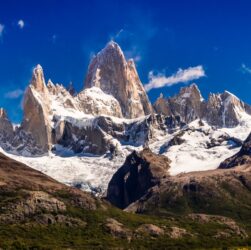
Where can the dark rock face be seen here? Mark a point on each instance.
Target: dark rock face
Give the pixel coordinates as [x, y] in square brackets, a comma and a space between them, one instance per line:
[6, 128]
[140, 172]
[233, 142]
[174, 122]
[141, 132]
[187, 104]
[98, 137]
[91, 139]
[71, 89]
[241, 158]
[210, 192]
[142, 185]
[16, 140]
[176, 140]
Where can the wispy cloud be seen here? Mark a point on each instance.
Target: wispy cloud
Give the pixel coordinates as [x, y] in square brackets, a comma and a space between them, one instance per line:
[14, 94]
[1, 29]
[135, 37]
[118, 34]
[245, 69]
[20, 24]
[181, 76]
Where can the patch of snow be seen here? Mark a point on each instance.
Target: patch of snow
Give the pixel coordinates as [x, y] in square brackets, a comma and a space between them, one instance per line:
[193, 154]
[93, 173]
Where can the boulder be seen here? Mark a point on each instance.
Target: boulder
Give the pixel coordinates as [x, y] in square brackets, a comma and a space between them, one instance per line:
[140, 172]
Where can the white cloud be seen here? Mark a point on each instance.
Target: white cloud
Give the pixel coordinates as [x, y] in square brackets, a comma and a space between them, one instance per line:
[245, 68]
[118, 33]
[1, 29]
[14, 94]
[181, 76]
[20, 23]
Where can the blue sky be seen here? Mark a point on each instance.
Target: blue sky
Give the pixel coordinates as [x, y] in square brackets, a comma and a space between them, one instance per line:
[162, 37]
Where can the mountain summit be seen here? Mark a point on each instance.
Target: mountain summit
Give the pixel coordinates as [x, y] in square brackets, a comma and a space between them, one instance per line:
[110, 71]
[221, 110]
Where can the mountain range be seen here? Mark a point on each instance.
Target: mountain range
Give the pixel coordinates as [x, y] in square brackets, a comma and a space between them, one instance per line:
[112, 116]
[182, 156]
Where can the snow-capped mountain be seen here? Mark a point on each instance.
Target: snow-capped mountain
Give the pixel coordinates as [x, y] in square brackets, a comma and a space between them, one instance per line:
[82, 138]
[221, 110]
[110, 71]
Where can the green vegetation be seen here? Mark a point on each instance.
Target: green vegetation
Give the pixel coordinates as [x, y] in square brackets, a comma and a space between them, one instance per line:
[94, 235]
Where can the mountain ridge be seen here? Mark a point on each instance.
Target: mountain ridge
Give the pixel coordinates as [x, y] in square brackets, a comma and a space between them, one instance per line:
[95, 123]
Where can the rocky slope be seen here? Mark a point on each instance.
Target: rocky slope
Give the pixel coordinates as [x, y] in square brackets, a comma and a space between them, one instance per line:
[241, 158]
[26, 193]
[219, 192]
[39, 212]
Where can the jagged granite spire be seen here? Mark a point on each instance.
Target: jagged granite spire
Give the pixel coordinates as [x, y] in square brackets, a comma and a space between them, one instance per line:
[36, 106]
[187, 104]
[220, 110]
[37, 79]
[110, 72]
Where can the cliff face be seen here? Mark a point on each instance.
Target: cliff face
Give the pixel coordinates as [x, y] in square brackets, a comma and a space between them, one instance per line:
[6, 128]
[139, 173]
[225, 110]
[110, 72]
[221, 110]
[37, 110]
[143, 185]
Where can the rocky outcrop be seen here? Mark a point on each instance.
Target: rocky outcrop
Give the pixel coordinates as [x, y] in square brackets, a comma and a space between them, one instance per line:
[187, 104]
[101, 135]
[89, 139]
[143, 185]
[71, 89]
[140, 172]
[208, 191]
[233, 229]
[36, 202]
[110, 72]
[241, 158]
[117, 229]
[220, 110]
[6, 127]
[225, 110]
[37, 110]
[61, 98]
[161, 106]
[150, 230]
[15, 139]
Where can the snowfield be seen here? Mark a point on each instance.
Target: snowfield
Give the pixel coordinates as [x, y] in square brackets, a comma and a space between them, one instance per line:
[93, 173]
